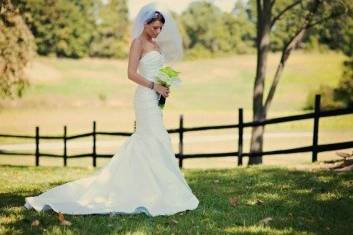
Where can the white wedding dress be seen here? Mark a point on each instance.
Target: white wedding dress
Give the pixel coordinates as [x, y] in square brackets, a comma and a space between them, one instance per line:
[142, 177]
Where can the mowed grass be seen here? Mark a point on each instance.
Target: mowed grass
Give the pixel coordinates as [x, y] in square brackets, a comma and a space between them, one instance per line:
[298, 202]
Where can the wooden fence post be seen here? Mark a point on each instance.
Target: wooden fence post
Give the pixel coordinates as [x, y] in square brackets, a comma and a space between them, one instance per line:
[94, 153]
[37, 146]
[316, 128]
[181, 132]
[65, 147]
[240, 137]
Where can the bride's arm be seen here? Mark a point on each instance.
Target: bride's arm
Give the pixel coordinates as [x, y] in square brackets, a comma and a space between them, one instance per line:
[134, 57]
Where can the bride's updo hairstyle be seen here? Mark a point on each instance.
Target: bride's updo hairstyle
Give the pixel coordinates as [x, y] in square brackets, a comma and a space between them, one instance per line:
[157, 16]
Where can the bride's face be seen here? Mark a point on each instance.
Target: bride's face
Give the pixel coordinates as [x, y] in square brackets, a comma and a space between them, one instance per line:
[154, 28]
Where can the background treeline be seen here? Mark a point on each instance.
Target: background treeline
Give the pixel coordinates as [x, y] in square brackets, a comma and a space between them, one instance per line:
[81, 28]
[77, 28]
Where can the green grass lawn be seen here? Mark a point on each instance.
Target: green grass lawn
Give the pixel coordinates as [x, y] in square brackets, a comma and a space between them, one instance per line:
[299, 202]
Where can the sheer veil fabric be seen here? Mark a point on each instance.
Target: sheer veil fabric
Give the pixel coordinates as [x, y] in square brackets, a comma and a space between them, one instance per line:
[143, 176]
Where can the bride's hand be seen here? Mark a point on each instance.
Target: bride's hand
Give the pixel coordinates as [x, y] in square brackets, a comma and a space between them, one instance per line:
[164, 91]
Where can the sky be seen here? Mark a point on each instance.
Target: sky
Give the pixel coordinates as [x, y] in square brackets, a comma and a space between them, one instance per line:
[178, 5]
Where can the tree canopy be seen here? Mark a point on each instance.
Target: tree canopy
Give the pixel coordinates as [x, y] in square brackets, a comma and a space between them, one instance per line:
[77, 28]
[16, 49]
[80, 28]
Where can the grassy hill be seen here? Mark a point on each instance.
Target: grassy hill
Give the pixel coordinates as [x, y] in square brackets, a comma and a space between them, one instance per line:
[76, 92]
[99, 89]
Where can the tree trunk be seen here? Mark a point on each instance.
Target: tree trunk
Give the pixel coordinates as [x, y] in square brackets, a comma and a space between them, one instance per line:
[264, 25]
[263, 46]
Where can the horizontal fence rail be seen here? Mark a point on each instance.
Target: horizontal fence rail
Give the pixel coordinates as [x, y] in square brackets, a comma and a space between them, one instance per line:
[315, 148]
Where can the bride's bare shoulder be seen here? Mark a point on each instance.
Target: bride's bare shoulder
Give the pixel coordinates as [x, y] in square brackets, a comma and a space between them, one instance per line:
[137, 43]
[136, 48]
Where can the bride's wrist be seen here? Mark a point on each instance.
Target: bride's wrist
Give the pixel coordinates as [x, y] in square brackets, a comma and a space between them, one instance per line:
[151, 85]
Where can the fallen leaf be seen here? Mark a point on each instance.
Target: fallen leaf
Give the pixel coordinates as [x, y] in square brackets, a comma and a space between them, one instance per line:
[265, 221]
[62, 220]
[233, 201]
[35, 223]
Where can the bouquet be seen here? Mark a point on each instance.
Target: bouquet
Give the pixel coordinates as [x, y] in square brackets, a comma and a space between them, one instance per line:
[167, 77]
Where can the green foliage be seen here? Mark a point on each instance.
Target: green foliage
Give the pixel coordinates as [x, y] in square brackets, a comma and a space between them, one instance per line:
[313, 44]
[198, 51]
[201, 20]
[78, 28]
[60, 27]
[287, 26]
[209, 29]
[111, 37]
[335, 97]
[327, 98]
[338, 34]
[16, 49]
[334, 28]
[344, 90]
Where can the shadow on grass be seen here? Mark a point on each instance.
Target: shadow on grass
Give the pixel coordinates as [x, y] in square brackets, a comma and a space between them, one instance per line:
[297, 201]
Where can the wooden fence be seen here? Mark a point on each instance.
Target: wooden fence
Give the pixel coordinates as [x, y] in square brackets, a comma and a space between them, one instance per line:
[315, 148]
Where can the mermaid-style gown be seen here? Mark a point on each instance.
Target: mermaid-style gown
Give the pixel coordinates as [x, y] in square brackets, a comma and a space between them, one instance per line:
[142, 177]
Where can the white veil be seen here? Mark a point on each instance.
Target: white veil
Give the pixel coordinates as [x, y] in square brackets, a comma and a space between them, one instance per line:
[169, 39]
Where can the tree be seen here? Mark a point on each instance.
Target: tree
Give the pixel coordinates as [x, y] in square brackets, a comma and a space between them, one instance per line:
[16, 49]
[338, 35]
[269, 12]
[60, 27]
[111, 37]
[245, 26]
[209, 30]
[344, 91]
[201, 20]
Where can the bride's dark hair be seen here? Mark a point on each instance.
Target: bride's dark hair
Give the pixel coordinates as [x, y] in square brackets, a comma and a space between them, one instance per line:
[157, 16]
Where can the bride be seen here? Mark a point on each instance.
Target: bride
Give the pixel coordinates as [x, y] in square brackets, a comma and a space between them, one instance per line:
[143, 176]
